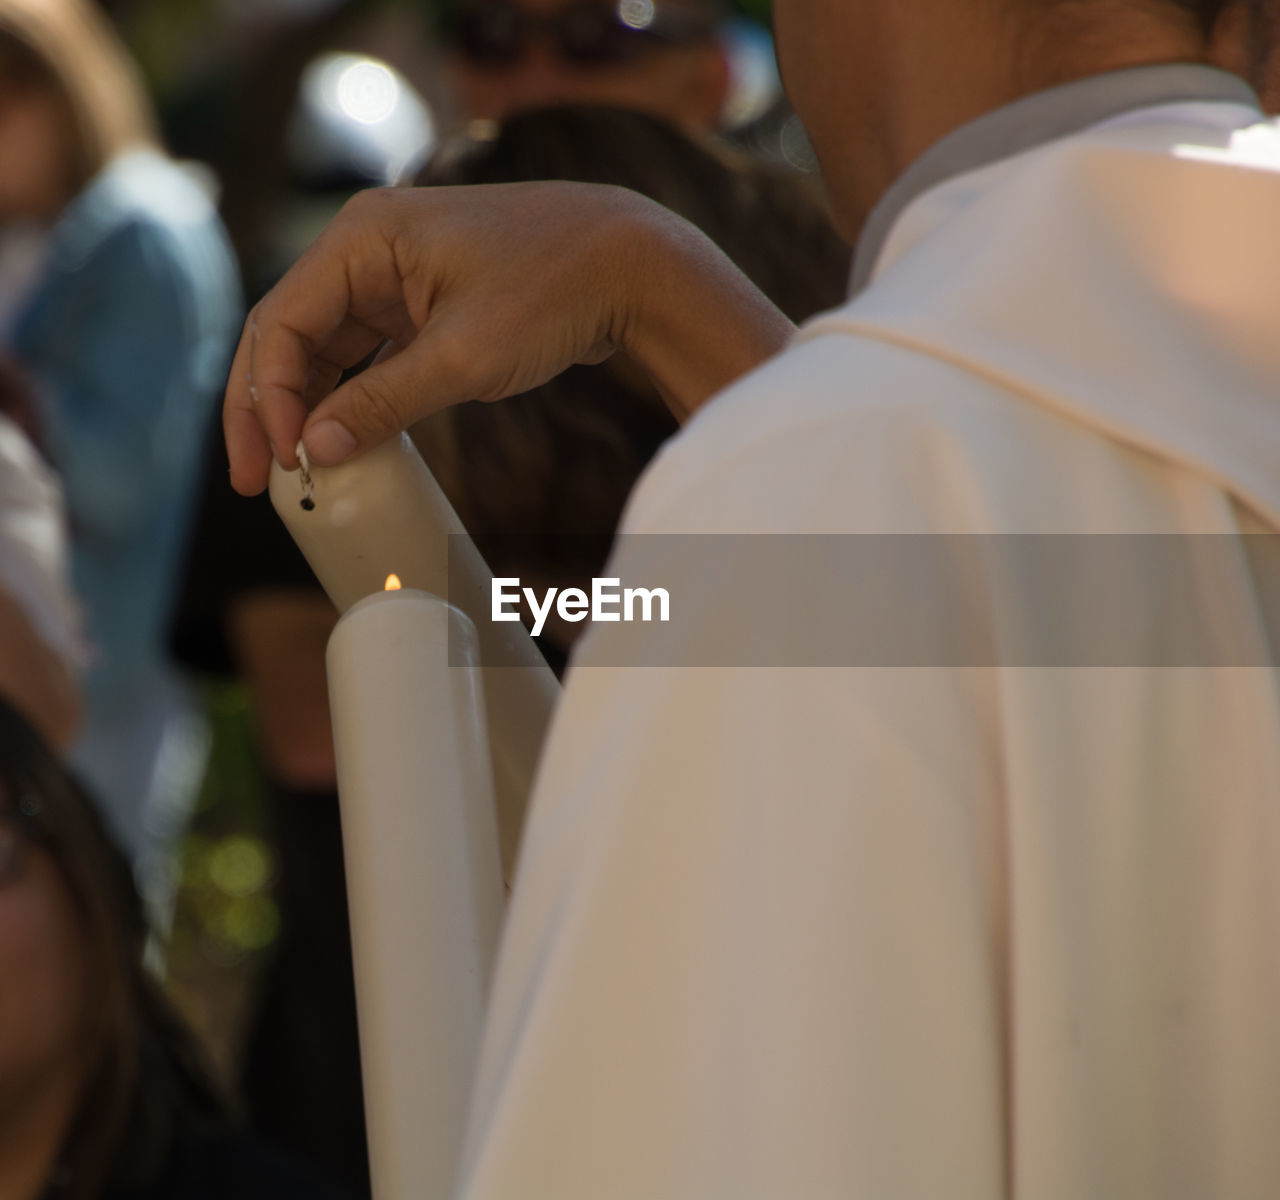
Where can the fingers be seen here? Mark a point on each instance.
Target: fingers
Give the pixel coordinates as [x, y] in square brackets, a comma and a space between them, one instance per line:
[248, 449]
[378, 403]
[483, 293]
[280, 366]
[334, 306]
[265, 406]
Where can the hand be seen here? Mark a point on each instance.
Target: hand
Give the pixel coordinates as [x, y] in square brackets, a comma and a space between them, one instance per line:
[480, 293]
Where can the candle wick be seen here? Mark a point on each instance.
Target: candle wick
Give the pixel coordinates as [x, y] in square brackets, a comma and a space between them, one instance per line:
[304, 470]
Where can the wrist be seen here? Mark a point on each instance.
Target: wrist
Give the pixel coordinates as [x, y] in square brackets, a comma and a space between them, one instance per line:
[690, 318]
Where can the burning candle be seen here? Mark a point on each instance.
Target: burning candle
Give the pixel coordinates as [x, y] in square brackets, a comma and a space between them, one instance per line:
[416, 781]
[423, 872]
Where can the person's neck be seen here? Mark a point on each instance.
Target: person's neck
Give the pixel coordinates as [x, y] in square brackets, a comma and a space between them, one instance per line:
[1247, 42]
[951, 81]
[33, 1127]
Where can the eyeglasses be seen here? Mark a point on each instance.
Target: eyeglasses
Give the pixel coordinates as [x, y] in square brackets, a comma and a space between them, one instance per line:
[19, 827]
[495, 33]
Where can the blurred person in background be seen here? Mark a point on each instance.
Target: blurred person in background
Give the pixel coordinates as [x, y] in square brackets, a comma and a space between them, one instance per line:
[540, 480]
[545, 475]
[104, 1094]
[657, 56]
[251, 603]
[41, 651]
[121, 310]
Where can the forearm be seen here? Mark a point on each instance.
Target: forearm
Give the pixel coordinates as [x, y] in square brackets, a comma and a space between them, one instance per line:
[695, 322]
[482, 293]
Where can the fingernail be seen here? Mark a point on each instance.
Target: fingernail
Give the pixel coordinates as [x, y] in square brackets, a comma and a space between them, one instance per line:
[328, 443]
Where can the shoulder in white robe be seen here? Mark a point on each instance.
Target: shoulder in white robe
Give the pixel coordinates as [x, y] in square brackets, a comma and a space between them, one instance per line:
[967, 931]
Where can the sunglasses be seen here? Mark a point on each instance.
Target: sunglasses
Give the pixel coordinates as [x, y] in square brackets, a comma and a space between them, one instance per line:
[495, 33]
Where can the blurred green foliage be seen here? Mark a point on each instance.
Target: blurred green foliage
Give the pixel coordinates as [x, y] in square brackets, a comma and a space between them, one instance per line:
[227, 869]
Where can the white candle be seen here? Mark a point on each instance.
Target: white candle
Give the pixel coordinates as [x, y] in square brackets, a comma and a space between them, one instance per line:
[384, 512]
[423, 873]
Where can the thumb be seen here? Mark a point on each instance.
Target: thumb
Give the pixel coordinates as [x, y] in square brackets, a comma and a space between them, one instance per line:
[377, 404]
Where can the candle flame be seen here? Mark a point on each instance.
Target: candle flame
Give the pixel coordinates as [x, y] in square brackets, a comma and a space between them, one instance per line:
[393, 584]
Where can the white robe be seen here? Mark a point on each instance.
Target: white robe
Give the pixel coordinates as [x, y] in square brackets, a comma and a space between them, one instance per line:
[972, 932]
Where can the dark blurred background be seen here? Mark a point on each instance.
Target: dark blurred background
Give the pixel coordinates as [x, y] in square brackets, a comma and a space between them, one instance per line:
[204, 144]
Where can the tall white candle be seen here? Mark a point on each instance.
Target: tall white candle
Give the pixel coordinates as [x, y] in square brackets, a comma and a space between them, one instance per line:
[384, 512]
[423, 873]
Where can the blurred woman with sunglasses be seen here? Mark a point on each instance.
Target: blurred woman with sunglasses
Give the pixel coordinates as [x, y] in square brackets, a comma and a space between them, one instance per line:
[118, 297]
[655, 56]
[104, 1094]
[540, 481]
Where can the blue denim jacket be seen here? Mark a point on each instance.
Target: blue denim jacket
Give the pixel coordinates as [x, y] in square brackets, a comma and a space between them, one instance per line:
[129, 332]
